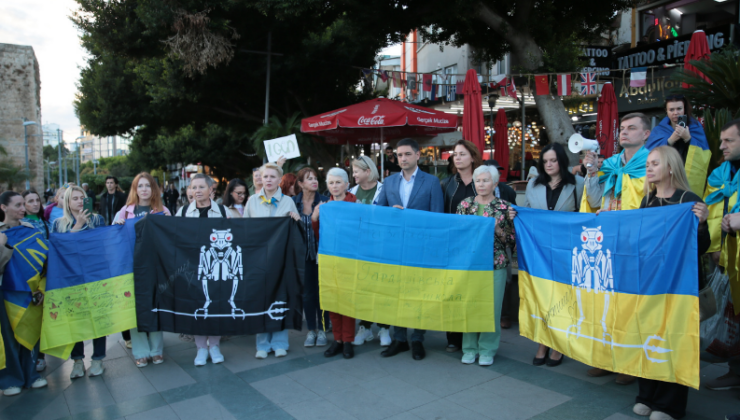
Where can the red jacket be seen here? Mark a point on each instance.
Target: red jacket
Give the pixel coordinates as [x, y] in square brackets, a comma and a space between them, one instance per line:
[349, 197]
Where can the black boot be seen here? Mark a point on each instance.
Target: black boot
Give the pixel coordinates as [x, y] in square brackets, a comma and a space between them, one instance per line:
[417, 350]
[395, 348]
[334, 349]
[349, 351]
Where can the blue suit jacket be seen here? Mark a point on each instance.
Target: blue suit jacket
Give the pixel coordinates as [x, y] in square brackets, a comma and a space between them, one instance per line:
[426, 194]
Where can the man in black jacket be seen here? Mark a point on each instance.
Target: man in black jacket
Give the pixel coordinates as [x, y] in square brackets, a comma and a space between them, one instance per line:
[112, 200]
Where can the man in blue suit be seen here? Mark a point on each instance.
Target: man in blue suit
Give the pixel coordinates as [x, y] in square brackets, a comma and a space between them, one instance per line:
[410, 189]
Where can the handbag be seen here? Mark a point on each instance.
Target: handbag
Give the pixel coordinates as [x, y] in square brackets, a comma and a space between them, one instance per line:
[707, 299]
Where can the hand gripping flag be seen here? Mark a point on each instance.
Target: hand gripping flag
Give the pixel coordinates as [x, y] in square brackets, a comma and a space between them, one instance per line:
[618, 291]
[90, 287]
[25, 275]
[413, 269]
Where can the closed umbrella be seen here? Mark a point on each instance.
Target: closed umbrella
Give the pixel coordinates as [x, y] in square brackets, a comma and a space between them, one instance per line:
[607, 121]
[501, 142]
[698, 50]
[473, 126]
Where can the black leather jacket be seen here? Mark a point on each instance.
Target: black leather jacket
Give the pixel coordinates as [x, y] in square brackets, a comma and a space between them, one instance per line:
[449, 188]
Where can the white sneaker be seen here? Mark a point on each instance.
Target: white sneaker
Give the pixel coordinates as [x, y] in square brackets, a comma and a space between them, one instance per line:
[468, 358]
[659, 415]
[96, 368]
[13, 390]
[281, 353]
[310, 339]
[485, 360]
[202, 357]
[216, 356]
[261, 354]
[641, 409]
[385, 337]
[321, 338]
[40, 365]
[39, 383]
[78, 369]
[363, 335]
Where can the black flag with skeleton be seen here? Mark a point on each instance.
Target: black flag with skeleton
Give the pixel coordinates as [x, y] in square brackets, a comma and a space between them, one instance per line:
[218, 276]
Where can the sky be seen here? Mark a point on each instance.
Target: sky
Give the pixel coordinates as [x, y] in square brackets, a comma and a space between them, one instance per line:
[45, 25]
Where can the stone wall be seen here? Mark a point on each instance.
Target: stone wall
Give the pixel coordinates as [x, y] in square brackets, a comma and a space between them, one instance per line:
[20, 97]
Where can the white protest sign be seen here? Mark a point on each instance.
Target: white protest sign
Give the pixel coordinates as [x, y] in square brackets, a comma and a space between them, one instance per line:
[282, 146]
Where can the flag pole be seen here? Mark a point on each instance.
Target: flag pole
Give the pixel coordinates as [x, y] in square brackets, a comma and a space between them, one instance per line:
[382, 157]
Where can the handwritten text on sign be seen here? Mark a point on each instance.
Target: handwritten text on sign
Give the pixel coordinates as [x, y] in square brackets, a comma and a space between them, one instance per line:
[282, 146]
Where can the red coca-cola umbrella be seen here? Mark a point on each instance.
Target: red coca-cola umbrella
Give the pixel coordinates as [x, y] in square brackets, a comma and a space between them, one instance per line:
[607, 121]
[698, 50]
[501, 142]
[473, 127]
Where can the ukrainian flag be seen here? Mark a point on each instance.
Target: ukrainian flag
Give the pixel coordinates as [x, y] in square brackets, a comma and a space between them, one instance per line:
[24, 275]
[407, 268]
[90, 287]
[618, 291]
[697, 157]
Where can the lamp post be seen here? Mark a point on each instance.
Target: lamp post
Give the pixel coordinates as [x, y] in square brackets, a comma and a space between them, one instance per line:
[492, 103]
[26, 123]
[60, 142]
[78, 159]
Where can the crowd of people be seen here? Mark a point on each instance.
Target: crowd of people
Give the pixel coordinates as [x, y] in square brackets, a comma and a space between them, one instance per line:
[637, 177]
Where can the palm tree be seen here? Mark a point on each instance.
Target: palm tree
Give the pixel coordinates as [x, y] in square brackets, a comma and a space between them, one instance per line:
[12, 174]
[723, 69]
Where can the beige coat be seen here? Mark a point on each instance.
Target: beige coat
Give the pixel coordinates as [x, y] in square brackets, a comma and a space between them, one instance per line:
[256, 208]
[5, 251]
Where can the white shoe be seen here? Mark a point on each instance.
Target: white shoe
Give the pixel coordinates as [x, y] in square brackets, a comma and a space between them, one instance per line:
[641, 409]
[310, 339]
[201, 358]
[128, 344]
[468, 358]
[40, 365]
[363, 335]
[321, 338]
[78, 369]
[281, 353]
[385, 337]
[485, 360]
[39, 383]
[261, 354]
[13, 390]
[216, 356]
[96, 368]
[659, 415]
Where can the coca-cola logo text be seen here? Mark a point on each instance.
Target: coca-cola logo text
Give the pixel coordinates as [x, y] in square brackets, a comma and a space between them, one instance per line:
[375, 120]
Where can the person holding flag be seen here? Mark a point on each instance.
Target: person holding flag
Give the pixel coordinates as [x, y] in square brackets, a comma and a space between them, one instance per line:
[684, 133]
[622, 185]
[20, 362]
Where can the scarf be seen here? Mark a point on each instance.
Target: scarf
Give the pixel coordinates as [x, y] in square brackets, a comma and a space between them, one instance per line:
[272, 200]
[613, 170]
[727, 185]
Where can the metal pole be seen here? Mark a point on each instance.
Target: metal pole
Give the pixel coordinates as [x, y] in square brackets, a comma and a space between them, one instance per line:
[95, 165]
[267, 90]
[28, 169]
[59, 152]
[524, 143]
[382, 157]
[77, 163]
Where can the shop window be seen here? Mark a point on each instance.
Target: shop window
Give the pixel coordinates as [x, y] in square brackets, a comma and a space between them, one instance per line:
[667, 20]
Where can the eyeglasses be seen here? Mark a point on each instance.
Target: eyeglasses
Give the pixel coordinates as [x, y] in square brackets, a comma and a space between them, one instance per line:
[240, 194]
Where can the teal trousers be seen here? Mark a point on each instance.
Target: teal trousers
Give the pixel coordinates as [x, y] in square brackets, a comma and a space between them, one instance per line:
[486, 344]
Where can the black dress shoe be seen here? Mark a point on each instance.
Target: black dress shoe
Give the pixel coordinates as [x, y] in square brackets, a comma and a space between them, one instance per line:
[417, 350]
[539, 361]
[349, 351]
[395, 348]
[553, 363]
[334, 349]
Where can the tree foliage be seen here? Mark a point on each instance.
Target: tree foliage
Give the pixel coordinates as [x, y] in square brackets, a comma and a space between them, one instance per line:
[723, 69]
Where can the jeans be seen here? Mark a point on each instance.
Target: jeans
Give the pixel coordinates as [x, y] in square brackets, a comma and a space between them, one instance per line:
[206, 341]
[399, 334]
[369, 324]
[311, 304]
[487, 343]
[78, 351]
[146, 344]
[272, 341]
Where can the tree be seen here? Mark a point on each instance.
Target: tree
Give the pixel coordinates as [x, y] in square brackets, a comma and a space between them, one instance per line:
[184, 78]
[10, 173]
[723, 69]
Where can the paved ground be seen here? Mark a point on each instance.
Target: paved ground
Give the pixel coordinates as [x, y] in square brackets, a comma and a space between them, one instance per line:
[305, 386]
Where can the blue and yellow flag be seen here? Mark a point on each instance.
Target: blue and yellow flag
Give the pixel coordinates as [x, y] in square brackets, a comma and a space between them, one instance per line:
[24, 275]
[618, 291]
[90, 287]
[407, 268]
[697, 157]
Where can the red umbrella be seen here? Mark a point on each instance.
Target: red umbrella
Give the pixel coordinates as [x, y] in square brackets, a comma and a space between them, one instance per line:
[473, 127]
[501, 142]
[607, 121]
[369, 122]
[698, 50]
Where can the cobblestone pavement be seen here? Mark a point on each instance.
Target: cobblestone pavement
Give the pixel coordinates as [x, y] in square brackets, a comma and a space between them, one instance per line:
[305, 385]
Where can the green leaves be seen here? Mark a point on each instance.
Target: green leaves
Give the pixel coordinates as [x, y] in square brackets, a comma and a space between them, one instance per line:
[723, 69]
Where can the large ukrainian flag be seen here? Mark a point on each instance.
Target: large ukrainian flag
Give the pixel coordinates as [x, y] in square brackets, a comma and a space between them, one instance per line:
[24, 275]
[407, 268]
[618, 291]
[90, 287]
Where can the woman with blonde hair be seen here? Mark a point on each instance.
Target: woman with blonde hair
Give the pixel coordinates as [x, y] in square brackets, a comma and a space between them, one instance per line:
[666, 184]
[143, 199]
[77, 219]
